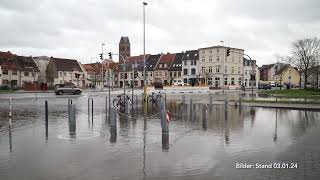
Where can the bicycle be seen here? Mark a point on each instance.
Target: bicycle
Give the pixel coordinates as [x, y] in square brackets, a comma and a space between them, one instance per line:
[120, 101]
[154, 97]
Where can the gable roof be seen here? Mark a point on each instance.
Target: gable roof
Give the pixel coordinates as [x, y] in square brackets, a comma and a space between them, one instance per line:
[282, 69]
[63, 64]
[191, 55]
[26, 64]
[5, 55]
[152, 62]
[165, 59]
[176, 65]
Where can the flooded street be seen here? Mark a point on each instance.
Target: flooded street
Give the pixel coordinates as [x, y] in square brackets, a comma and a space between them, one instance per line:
[204, 142]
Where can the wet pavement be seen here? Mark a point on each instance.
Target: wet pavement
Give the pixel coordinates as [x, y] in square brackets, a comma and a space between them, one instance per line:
[204, 142]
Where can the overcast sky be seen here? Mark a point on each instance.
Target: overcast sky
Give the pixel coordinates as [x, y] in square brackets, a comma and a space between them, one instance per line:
[77, 28]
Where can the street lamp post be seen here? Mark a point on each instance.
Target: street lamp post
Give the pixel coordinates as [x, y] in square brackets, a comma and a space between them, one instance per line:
[144, 54]
[102, 72]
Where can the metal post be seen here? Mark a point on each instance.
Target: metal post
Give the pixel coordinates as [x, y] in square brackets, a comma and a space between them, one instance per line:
[240, 102]
[132, 95]
[88, 109]
[92, 110]
[226, 106]
[191, 109]
[113, 118]
[183, 99]
[164, 123]
[10, 114]
[46, 116]
[204, 118]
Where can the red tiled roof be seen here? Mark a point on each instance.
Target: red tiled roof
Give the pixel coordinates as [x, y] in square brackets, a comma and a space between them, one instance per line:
[63, 64]
[165, 58]
[6, 54]
[138, 59]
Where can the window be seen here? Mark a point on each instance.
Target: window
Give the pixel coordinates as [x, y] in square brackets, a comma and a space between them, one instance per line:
[232, 70]
[210, 69]
[156, 73]
[217, 50]
[203, 59]
[210, 51]
[218, 58]
[232, 59]
[160, 65]
[239, 80]
[217, 69]
[165, 65]
[203, 51]
[26, 73]
[210, 58]
[14, 72]
[185, 71]
[226, 69]
[174, 74]
[246, 72]
[195, 62]
[170, 74]
[225, 81]
[185, 63]
[166, 73]
[232, 81]
[239, 70]
[191, 62]
[179, 74]
[185, 80]
[60, 75]
[203, 69]
[151, 74]
[193, 71]
[64, 74]
[245, 82]
[160, 73]
[5, 72]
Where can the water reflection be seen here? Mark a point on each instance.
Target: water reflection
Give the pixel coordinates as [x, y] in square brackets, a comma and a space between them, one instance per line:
[203, 139]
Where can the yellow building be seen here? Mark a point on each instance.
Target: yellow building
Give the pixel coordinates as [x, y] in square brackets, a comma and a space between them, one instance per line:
[287, 75]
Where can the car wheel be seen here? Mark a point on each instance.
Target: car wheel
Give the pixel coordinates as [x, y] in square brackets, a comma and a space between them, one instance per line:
[77, 92]
[60, 92]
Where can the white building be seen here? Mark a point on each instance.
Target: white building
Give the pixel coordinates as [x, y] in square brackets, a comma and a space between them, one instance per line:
[190, 67]
[42, 63]
[219, 70]
[249, 67]
[61, 71]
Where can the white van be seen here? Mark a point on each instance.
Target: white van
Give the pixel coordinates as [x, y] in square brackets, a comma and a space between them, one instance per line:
[178, 82]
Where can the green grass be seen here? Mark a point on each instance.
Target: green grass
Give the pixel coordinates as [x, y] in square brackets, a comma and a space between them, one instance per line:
[294, 93]
[282, 102]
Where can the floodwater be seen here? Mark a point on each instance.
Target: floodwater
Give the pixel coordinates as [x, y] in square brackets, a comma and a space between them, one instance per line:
[204, 142]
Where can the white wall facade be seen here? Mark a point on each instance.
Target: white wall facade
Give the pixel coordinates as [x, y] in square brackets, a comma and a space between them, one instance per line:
[223, 71]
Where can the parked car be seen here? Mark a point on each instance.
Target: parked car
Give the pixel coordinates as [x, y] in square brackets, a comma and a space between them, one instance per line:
[67, 89]
[178, 82]
[264, 86]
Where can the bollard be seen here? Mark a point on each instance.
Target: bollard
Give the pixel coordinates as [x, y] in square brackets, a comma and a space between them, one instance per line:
[211, 102]
[113, 118]
[164, 122]
[165, 141]
[204, 118]
[92, 110]
[183, 99]
[126, 104]
[225, 104]
[10, 139]
[88, 109]
[10, 113]
[136, 101]
[113, 135]
[240, 102]
[191, 108]
[46, 116]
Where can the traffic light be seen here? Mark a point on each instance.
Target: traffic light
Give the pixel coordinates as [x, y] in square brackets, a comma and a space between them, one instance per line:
[228, 52]
[101, 56]
[110, 55]
[121, 75]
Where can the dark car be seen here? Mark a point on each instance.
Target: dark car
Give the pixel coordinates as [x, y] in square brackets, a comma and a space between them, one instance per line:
[264, 86]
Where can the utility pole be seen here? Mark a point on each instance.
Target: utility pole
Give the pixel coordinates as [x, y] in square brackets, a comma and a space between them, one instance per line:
[102, 72]
[144, 56]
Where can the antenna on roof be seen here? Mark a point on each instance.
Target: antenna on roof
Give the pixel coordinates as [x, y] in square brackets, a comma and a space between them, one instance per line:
[222, 43]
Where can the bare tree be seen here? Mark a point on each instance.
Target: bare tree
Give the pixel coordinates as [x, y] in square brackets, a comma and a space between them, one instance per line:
[304, 55]
[206, 75]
